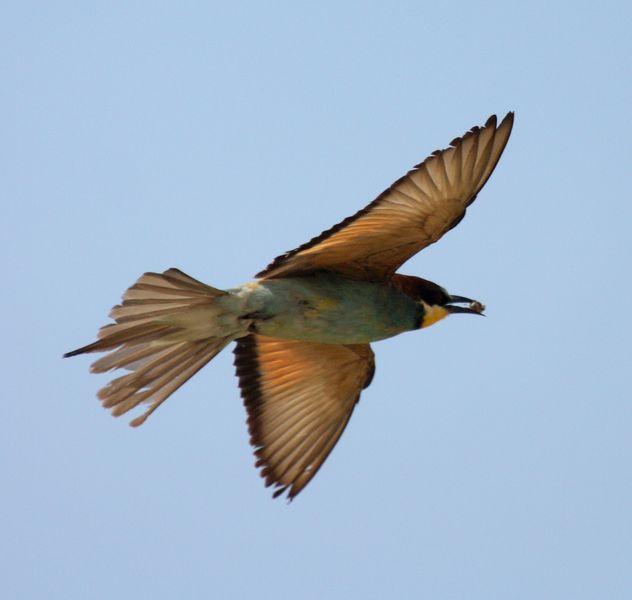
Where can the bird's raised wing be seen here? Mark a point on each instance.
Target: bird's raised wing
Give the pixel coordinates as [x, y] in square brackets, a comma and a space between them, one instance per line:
[299, 397]
[410, 215]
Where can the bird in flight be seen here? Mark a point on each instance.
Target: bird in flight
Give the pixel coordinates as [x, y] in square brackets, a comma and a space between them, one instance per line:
[303, 327]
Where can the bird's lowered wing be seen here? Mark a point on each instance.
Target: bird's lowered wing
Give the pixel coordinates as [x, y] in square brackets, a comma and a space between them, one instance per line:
[299, 397]
[410, 215]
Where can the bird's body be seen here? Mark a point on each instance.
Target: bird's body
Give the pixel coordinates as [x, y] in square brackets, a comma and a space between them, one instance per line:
[303, 327]
[323, 308]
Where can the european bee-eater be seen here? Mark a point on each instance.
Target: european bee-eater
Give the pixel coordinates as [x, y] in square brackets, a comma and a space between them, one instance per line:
[303, 326]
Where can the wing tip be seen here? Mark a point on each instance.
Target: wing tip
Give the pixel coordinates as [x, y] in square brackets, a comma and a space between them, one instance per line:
[492, 121]
[508, 120]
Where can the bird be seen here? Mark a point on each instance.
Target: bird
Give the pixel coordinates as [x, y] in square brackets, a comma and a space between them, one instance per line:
[303, 327]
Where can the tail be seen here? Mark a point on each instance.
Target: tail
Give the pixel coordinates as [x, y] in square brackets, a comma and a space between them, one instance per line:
[164, 334]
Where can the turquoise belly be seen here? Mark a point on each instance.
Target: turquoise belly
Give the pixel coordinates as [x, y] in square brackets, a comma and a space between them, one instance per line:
[328, 309]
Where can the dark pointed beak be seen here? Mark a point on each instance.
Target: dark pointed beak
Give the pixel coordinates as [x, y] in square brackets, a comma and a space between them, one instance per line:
[474, 308]
[460, 300]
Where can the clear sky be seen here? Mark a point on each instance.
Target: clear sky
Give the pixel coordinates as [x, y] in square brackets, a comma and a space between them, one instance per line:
[490, 458]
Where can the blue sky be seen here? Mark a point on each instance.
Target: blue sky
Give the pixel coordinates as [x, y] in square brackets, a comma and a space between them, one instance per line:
[490, 458]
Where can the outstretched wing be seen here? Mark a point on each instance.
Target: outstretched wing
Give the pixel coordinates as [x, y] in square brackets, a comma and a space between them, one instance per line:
[299, 397]
[410, 215]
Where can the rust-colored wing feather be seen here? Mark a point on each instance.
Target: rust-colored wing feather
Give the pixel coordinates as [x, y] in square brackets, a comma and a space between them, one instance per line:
[410, 215]
[299, 397]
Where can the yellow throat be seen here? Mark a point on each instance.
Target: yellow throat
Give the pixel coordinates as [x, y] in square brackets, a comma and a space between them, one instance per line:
[432, 314]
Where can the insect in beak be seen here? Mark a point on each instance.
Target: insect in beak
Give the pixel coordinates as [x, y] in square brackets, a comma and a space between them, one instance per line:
[475, 307]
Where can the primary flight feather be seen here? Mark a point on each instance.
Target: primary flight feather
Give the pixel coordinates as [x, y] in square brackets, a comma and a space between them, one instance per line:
[303, 327]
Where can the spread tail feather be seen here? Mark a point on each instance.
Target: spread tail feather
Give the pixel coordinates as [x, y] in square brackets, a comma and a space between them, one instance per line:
[163, 334]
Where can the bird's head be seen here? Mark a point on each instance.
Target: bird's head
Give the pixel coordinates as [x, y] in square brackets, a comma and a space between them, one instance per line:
[436, 302]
